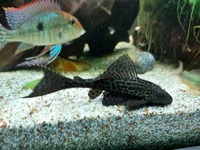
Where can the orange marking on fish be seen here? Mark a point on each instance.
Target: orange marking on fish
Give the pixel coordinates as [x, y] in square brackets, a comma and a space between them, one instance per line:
[23, 6]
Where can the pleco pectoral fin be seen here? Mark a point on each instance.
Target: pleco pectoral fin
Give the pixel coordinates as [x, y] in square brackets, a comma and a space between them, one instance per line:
[93, 93]
[134, 104]
[23, 47]
[77, 78]
[54, 52]
[111, 99]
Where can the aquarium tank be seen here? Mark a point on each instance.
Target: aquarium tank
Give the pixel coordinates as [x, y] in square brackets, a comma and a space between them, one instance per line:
[100, 74]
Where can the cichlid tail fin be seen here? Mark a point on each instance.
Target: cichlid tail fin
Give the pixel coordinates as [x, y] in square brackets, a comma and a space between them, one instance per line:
[3, 32]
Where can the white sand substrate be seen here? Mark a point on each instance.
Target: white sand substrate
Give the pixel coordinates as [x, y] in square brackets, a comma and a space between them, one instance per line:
[68, 119]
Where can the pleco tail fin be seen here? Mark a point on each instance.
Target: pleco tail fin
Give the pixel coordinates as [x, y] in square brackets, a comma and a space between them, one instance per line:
[52, 82]
[2, 36]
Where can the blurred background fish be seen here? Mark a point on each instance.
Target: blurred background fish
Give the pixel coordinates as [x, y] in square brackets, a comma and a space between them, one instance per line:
[40, 23]
[190, 78]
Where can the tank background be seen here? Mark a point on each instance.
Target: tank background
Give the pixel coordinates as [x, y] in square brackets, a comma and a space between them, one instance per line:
[170, 29]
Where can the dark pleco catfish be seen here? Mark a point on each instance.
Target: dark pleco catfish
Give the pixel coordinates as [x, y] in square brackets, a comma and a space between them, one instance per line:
[120, 84]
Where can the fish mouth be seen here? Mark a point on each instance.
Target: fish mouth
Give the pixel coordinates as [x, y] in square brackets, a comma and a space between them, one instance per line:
[162, 98]
[165, 98]
[83, 31]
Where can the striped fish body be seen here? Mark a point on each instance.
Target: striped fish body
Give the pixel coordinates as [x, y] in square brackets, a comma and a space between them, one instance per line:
[48, 28]
[40, 23]
[119, 82]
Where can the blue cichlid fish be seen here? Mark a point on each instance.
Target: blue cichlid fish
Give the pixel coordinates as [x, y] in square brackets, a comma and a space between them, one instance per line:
[120, 84]
[40, 23]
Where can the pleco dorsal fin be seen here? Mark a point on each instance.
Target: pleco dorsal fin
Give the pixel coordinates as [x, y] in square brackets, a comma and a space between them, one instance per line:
[77, 78]
[122, 68]
[16, 16]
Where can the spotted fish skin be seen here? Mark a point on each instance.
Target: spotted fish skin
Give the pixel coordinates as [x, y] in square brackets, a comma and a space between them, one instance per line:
[120, 84]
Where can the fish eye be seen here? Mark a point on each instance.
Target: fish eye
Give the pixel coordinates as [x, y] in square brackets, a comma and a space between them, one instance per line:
[72, 22]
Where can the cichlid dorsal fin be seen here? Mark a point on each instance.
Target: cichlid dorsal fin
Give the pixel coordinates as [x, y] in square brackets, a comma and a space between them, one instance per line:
[122, 68]
[16, 16]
